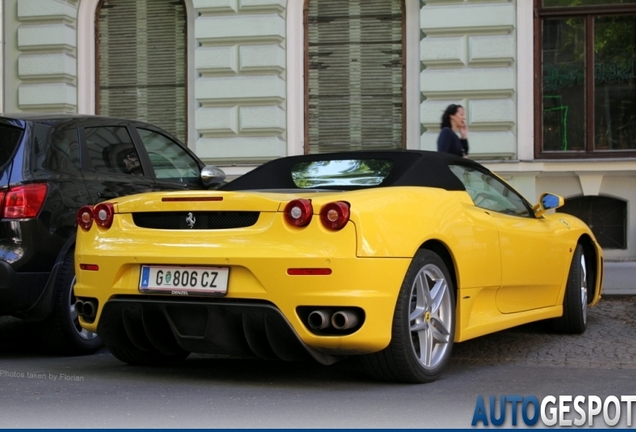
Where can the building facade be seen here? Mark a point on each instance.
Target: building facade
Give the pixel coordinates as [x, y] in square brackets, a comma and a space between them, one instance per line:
[548, 85]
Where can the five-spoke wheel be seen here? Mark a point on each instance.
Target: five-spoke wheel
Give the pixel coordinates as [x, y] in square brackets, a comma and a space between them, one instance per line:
[423, 325]
[574, 318]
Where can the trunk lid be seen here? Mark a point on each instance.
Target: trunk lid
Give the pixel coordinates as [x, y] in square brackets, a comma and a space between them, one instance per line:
[213, 200]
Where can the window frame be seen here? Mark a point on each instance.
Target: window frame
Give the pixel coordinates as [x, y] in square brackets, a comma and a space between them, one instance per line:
[588, 12]
[185, 157]
[590, 204]
[494, 179]
[188, 54]
[306, 142]
[88, 161]
[57, 154]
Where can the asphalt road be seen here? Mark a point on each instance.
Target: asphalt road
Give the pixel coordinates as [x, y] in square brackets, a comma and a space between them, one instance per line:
[37, 390]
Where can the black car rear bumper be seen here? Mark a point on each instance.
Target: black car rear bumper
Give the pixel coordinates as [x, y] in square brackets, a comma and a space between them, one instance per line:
[203, 326]
[19, 291]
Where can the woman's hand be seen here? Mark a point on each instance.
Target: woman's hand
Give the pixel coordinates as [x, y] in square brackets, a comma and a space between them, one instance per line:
[463, 130]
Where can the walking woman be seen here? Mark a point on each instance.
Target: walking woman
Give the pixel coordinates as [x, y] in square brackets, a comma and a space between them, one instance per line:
[453, 123]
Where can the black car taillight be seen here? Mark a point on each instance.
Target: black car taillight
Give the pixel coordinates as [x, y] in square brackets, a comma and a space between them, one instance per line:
[24, 201]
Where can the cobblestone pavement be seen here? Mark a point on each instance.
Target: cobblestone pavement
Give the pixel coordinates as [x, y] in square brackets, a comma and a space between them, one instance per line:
[609, 342]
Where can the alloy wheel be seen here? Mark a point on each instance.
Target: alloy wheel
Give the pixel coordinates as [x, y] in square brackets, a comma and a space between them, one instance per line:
[430, 316]
[583, 270]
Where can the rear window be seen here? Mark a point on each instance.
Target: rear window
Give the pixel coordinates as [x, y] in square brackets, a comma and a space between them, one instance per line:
[341, 173]
[9, 139]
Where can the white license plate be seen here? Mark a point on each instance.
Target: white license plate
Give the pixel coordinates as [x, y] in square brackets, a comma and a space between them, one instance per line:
[183, 280]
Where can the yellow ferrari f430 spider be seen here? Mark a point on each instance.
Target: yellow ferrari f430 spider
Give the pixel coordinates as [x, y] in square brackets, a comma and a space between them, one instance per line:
[392, 256]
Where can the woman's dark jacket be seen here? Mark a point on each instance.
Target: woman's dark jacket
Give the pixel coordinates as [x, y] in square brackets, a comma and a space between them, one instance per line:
[449, 142]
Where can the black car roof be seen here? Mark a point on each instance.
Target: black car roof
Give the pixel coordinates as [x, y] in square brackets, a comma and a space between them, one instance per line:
[410, 168]
[54, 116]
[55, 119]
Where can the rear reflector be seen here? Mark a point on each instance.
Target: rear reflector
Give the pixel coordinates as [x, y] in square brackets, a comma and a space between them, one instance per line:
[190, 199]
[90, 267]
[309, 271]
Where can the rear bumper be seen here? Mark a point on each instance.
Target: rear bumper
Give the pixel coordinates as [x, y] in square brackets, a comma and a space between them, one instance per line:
[223, 327]
[367, 284]
[20, 291]
[30, 256]
[258, 260]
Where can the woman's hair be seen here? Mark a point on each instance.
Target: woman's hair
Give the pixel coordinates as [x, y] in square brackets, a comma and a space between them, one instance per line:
[450, 110]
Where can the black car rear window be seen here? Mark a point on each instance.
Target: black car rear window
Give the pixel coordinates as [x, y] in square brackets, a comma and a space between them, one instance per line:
[9, 139]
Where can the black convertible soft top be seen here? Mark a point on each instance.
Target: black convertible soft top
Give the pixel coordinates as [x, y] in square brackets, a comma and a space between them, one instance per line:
[410, 168]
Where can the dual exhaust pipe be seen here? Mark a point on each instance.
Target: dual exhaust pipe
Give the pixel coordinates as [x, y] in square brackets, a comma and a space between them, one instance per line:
[322, 319]
[87, 309]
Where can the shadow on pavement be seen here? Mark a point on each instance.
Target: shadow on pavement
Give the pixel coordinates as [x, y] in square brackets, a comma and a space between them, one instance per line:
[529, 345]
[19, 337]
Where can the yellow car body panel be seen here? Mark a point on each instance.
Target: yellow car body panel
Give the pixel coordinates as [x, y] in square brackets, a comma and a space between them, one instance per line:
[257, 266]
[368, 258]
[394, 255]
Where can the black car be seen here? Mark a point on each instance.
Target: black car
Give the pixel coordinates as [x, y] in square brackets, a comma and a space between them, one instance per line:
[50, 166]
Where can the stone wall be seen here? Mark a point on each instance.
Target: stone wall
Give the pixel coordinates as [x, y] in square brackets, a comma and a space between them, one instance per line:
[468, 52]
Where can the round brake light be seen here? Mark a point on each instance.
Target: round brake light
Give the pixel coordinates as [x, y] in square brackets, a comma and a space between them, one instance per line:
[335, 215]
[104, 214]
[299, 212]
[85, 217]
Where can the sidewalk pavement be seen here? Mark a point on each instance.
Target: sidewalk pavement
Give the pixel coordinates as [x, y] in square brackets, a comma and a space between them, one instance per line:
[619, 278]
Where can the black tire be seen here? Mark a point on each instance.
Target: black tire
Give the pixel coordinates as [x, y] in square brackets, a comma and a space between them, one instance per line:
[137, 357]
[574, 318]
[61, 332]
[419, 317]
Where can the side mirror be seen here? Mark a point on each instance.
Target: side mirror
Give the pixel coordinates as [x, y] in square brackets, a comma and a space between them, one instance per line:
[547, 202]
[211, 175]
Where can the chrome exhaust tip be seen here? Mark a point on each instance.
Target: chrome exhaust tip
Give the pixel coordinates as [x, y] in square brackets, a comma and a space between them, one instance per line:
[319, 319]
[79, 307]
[89, 309]
[344, 320]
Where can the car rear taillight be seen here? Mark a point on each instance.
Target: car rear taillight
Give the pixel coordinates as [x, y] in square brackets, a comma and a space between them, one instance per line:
[335, 215]
[2, 194]
[23, 201]
[299, 212]
[104, 213]
[85, 217]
